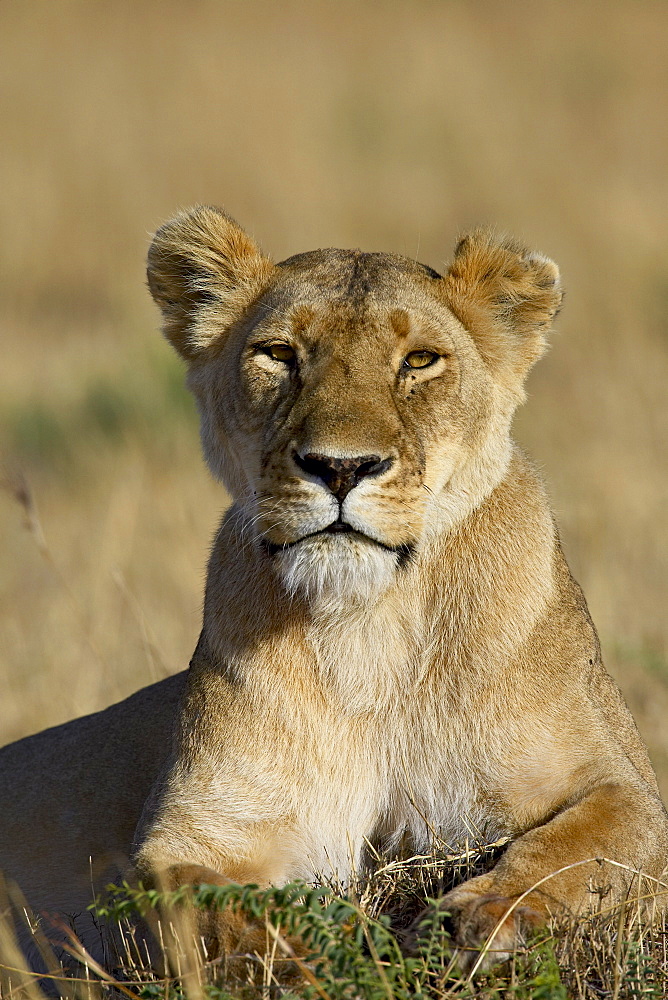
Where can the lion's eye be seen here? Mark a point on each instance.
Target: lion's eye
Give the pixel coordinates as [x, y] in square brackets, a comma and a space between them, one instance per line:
[420, 359]
[280, 352]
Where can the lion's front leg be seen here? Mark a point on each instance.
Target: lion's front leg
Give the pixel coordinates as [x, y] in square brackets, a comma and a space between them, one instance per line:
[221, 932]
[591, 849]
[225, 933]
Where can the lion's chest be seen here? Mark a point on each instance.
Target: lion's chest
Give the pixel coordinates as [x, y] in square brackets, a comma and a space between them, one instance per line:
[398, 782]
[433, 788]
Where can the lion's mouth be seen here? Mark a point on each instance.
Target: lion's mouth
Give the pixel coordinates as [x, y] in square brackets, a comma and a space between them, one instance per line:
[335, 528]
[339, 527]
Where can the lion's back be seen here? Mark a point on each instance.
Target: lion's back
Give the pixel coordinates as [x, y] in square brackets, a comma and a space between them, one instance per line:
[71, 796]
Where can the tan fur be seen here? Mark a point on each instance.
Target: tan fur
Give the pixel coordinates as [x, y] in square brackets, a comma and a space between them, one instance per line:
[433, 671]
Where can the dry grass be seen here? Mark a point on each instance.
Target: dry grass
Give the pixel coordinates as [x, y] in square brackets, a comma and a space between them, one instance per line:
[392, 126]
[354, 946]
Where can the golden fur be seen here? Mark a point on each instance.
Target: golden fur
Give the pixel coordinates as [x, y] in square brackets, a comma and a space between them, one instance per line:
[428, 665]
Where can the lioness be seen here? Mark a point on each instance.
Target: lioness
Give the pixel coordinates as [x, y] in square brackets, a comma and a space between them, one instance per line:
[392, 642]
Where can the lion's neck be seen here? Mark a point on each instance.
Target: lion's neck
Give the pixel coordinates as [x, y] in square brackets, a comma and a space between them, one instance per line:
[369, 656]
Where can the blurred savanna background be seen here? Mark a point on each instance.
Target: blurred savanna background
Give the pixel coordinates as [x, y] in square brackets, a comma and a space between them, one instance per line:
[384, 125]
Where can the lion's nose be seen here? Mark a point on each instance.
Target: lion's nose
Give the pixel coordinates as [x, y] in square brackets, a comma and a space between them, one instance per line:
[341, 475]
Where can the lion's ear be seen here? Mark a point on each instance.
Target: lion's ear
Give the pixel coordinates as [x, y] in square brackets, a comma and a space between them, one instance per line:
[203, 272]
[506, 297]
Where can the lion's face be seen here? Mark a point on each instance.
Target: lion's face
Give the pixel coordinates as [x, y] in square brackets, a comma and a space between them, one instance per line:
[344, 403]
[341, 415]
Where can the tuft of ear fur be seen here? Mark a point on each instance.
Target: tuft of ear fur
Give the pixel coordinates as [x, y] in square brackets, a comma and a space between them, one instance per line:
[506, 297]
[203, 272]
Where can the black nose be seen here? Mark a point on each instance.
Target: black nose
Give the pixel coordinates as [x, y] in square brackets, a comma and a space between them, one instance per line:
[341, 475]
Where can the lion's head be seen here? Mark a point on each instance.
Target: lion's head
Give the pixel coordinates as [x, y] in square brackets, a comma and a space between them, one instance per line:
[352, 403]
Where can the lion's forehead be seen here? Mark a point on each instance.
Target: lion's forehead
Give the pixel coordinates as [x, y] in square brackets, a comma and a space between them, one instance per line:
[352, 275]
[331, 293]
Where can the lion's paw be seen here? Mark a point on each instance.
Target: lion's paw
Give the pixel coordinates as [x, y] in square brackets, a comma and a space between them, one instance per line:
[485, 929]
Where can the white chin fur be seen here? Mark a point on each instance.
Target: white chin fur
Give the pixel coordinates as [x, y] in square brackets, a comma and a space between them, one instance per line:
[336, 567]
